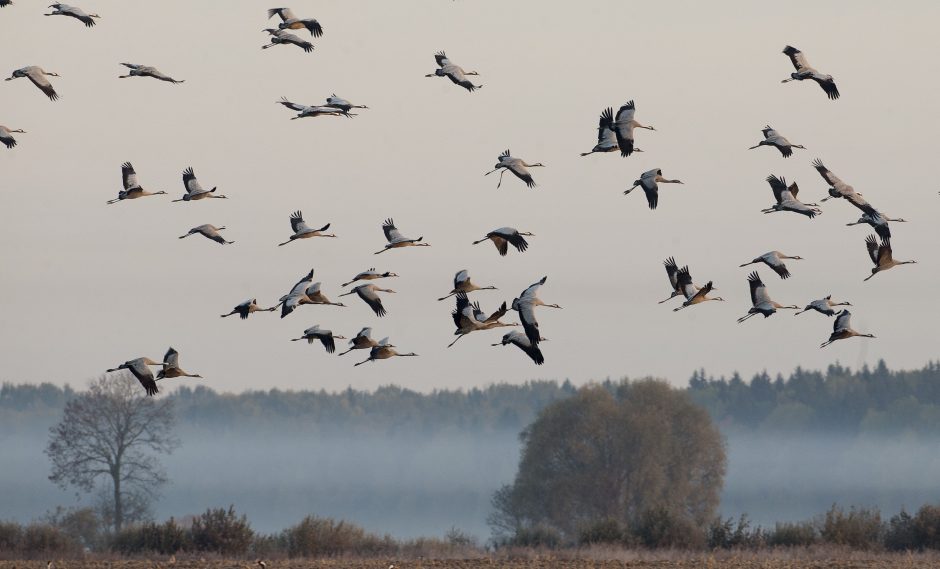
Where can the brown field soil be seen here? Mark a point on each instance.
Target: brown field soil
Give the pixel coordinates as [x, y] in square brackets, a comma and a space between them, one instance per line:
[626, 560]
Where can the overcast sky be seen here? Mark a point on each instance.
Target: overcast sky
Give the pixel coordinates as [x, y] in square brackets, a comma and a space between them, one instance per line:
[86, 286]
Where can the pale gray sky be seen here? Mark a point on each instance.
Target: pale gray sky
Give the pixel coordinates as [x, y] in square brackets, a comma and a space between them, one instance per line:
[86, 286]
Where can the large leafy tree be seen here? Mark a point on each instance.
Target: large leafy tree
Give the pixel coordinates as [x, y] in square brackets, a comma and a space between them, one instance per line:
[615, 454]
[111, 434]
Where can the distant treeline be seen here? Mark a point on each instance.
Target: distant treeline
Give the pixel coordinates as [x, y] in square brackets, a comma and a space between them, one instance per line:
[386, 410]
[867, 401]
[839, 400]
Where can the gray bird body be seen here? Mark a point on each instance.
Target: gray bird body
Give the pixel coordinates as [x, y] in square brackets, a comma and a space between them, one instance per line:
[6, 136]
[805, 71]
[37, 75]
[776, 140]
[137, 70]
[305, 111]
[521, 341]
[246, 307]
[171, 366]
[208, 231]
[73, 12]
[283, 37]
[842, 329]
[139, 368]
[324, 336]
[446, 68]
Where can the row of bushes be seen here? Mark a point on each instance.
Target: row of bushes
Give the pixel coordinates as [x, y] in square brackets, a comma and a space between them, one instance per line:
[220, 531]
[858, 528]
[36, 539]
[224, 532]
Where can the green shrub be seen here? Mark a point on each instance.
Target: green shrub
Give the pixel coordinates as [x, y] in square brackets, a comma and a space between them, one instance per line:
[80, 525]
[132, 540]
[899, 535]
[927, 527]
[607, 530]
[324, 537]
[658, 528]
[860, 528]
[728, 534]
[222, 531]
[434, 548]
[11, 533]
[458, 538]
[45, 539]
[536, 536]
[787, 534]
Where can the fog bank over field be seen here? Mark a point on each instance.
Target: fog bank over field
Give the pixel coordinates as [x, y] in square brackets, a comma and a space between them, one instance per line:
[409, 464]
[423, 485]
[405, 486]
[793, 477]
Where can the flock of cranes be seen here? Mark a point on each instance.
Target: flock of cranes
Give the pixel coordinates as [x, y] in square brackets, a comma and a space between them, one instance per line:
[786, 198]
[615, 133]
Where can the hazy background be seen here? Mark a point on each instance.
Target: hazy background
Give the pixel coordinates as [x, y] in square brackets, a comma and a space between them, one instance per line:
[414, 464]
[87, 286]
[423, 486]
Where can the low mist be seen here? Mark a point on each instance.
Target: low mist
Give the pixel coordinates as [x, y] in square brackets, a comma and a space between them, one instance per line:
[789, 477]
[413, 485]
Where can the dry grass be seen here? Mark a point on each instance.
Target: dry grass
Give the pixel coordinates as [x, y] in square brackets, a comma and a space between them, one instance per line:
[593, 558]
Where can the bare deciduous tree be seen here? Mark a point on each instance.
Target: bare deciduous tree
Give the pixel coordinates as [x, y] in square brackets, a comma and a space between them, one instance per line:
[112, 431]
